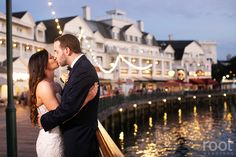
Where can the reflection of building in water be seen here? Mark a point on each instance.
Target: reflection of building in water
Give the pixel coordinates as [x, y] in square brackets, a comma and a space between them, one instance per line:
[120, 49]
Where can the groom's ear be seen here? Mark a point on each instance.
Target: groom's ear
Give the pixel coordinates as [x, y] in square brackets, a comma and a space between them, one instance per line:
[68, 51]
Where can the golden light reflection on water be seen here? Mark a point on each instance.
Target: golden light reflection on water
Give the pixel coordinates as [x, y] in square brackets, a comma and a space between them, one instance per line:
[121, 138]
[183, 137]
[180, 115]
[195, 111]
[227, 117]
[165, 119]
[225, 106]
[135, 129]
[150, 122]
[210, 108]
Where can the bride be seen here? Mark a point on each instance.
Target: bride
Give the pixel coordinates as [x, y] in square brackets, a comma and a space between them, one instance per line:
[45, 96]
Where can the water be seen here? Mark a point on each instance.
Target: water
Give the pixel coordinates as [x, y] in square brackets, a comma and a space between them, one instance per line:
[193, 129]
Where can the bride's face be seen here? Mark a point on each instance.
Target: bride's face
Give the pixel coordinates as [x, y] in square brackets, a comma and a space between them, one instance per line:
[52, 63]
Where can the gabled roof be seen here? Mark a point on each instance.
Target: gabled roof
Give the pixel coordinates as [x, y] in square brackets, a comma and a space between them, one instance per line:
[154, 41]
[105, 30]
[177, 45]
[19, 14]
[4, 63]
[52, 31]
[144, 37]
[144, 41]
[125, 28]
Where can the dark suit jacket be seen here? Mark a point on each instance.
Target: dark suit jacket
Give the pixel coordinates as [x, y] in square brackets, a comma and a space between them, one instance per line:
[79, 131]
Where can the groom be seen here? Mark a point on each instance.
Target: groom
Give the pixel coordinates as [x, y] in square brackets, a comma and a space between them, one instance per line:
[78, 129]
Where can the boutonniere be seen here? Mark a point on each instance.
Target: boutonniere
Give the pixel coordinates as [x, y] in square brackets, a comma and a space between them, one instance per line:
[64, 77]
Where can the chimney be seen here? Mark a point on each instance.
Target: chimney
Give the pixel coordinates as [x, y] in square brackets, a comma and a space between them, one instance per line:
[140, 25]
[86, 13]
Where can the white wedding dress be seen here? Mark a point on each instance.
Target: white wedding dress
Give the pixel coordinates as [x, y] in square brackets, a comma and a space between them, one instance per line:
[49, 143]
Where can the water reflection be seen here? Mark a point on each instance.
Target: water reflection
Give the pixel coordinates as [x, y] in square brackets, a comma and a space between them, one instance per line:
[180, 115]
[177, 130]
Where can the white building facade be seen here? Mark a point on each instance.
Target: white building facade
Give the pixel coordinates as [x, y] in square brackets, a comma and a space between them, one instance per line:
[118, 47]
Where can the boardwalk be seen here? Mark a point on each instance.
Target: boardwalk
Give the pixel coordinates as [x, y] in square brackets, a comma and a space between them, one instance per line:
[26, 134]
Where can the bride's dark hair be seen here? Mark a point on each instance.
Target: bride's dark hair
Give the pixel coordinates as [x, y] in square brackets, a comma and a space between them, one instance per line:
[36, 66]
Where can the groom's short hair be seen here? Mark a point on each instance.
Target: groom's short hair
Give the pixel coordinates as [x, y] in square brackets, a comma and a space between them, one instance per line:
[70, 41]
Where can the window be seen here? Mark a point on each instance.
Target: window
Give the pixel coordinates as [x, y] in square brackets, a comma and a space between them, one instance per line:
[99, 45]
[80, 30]
[99, 59]
[27, 48]
[131, 38]
[149, 41]
[18, 29]
[126, 37]
[2, 25]
[166, 65]
[40, 34]
[113, 35]
[2, 42]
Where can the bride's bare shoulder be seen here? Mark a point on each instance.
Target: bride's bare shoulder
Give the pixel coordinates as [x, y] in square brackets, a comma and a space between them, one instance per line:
[44, 86]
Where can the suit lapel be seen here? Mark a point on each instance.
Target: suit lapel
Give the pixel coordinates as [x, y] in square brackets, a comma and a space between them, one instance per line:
[76, 65]
[72, 71]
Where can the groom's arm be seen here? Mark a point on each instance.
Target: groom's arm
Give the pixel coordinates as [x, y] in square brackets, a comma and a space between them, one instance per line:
[75, 96]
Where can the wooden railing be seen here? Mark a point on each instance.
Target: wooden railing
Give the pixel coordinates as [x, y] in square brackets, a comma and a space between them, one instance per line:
[108, 102]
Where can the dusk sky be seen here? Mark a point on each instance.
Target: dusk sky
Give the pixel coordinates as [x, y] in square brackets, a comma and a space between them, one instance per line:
[205, 20]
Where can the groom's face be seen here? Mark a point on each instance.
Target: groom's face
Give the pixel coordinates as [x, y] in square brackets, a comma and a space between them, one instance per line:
[59, 54]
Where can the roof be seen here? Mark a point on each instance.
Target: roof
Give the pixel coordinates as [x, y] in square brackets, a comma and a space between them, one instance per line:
[125, 28]
[19, 14]
[177, 45]
[103, 28]
[144, 41]
[4, 63]
[52, 31]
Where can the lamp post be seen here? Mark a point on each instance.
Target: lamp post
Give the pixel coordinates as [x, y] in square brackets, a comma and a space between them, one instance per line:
[10, 109]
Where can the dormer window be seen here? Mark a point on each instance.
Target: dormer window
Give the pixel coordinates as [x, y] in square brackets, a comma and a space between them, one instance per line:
[149, 41]
[114, 35]
[40, 34]
[126, 37]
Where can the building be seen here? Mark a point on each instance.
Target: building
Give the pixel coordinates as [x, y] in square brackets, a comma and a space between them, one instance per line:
[27, 39]
[122, 52]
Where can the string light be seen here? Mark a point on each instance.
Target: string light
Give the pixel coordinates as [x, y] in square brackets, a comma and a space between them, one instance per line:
[134, 66]
[113, 67]
[50, 4]
[80, 36]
